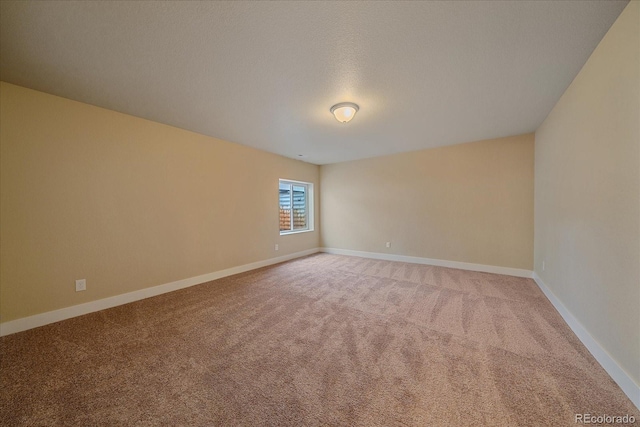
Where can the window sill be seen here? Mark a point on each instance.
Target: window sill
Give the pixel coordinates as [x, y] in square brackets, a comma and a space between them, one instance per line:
[284, 233]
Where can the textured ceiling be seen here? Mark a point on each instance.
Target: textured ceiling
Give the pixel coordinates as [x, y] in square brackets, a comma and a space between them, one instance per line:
[265, 74]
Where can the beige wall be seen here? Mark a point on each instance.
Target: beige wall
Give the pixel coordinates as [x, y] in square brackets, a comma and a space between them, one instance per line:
[469, 202]
[587, 194]
[125, 203]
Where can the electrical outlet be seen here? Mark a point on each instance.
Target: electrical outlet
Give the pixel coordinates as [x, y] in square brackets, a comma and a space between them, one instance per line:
[81, 285]
[277, 247]
[388, 244]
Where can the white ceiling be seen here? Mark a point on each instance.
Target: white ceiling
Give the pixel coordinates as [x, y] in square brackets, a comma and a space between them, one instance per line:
[265, 74]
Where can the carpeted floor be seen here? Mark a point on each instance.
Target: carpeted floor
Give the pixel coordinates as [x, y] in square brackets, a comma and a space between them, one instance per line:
[322, 340]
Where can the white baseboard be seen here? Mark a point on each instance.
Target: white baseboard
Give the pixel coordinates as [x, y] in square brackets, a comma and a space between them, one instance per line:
[42, 319]
[628, 386]
[437, 262]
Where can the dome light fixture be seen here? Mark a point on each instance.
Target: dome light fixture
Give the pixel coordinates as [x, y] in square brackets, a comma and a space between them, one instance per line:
[344, 111]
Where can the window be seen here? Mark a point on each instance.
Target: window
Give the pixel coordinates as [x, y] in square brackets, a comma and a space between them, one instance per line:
[296, 206]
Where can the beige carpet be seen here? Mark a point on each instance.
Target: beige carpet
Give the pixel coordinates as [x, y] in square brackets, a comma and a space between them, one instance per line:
[322, 340]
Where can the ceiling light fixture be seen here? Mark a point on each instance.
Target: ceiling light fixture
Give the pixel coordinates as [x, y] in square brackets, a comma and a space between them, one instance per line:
[344, 111]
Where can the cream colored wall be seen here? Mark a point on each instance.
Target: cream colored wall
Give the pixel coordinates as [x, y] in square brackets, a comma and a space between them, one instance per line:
[587, 194]
[125, 203]
[469, 202]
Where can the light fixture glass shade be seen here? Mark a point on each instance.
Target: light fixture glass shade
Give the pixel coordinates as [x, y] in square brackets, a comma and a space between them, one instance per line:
[344, 111]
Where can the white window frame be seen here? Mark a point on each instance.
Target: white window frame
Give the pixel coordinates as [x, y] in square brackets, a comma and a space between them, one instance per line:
[308, 207]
